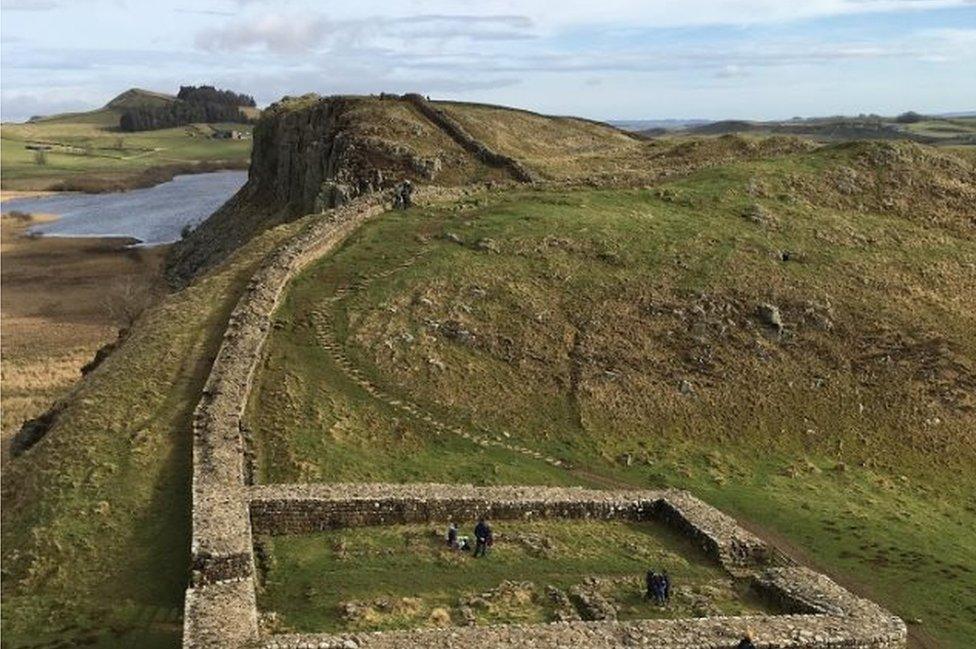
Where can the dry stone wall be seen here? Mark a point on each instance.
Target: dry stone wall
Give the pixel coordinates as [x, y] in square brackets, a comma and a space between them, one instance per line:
[220, 609]
[297, 509]
[477, 148]
[828, 615]
[768, 632]
[222, 549]
[221, 528]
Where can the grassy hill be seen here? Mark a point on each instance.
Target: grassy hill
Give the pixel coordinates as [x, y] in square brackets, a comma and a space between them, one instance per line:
[617, 317]
[623, 331]
[96, 526]
[942, 131]
[137, 98]
[87, 152]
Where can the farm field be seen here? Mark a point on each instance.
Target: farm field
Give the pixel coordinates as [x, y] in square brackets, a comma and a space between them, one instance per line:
[87, 151]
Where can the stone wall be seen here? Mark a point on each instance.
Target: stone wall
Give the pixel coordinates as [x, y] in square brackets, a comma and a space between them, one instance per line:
[828, 615]
[297, 509]
[474, 146]
[768, 632]
[220, 610]
[222, 549]
[221, 526]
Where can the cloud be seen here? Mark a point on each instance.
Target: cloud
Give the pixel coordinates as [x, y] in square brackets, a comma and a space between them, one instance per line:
[28, 5]
[204, 12]
[291, 34]
[524, 53]
[731, 71]
[275, 33]
[639, 13]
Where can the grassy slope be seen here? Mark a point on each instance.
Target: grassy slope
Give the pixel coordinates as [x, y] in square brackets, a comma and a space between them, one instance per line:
[566, 147]
[90, 145]
[851, 435]
[365, 564]
[96, 517]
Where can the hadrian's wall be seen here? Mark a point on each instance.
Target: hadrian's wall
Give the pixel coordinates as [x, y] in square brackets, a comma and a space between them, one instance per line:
[828, 616]
[220, 609]
[221, 543]
[222, 549]
[296, 509]
[768, 632]
[460, 135]
[221, 528]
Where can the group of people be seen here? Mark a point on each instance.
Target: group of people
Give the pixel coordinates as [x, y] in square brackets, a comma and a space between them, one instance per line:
[658, 586]
[483, 539]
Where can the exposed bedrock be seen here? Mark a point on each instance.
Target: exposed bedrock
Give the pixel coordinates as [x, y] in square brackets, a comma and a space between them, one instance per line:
[310, 154]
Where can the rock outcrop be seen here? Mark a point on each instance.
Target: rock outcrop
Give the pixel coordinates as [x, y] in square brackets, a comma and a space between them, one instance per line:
[314, 153]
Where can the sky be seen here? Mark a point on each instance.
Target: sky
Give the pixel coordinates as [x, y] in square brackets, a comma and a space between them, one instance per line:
[603, 59]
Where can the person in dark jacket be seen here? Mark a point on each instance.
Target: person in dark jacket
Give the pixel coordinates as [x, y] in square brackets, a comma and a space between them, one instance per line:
[666, 586]
[649, 580]
[745, 643]
[482, 536]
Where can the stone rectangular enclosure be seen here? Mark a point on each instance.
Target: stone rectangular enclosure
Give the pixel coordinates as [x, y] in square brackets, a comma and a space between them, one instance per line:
[220, 610]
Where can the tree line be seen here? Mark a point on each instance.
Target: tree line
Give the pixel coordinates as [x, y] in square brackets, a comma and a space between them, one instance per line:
[211, 95]
[193, 104]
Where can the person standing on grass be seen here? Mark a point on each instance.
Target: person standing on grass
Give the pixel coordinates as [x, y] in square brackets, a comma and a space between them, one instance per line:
[666, 586]
[657, 588]
[649, 580]
[482, 533]
[489, 539]
[452, 536]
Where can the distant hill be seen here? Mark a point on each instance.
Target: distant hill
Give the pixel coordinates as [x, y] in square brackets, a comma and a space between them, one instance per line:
[642, 125]
[109, 114]
[90, 151]
[957, 128]
[925, 129]
[139, 98]
[134, 99]
[193, 104]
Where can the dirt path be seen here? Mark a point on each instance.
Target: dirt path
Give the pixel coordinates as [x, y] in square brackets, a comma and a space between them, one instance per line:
[324, 330]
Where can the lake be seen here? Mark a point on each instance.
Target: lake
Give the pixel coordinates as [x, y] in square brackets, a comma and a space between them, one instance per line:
[153, 215]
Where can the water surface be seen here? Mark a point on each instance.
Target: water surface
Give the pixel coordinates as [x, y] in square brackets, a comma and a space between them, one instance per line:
[153, 215]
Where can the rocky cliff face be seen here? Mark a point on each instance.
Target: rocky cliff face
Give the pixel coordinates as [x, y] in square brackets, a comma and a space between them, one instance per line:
[311, 154]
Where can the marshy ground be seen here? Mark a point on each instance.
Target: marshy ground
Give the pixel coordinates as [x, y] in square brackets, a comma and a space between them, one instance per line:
[62, 299]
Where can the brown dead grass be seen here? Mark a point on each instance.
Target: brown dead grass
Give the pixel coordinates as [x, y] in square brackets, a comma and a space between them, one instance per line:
[61, 299]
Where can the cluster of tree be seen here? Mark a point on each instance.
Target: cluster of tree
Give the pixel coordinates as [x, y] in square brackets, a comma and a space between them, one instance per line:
[911, 117]
[193, 104]
[211, 95]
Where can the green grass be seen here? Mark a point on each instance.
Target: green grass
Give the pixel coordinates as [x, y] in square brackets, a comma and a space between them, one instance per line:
[89, 144]
[944, 128]
[849, 436]
[96, 517]
[397, 576]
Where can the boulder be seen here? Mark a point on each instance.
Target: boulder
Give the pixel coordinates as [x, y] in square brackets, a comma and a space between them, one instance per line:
[770, 316]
